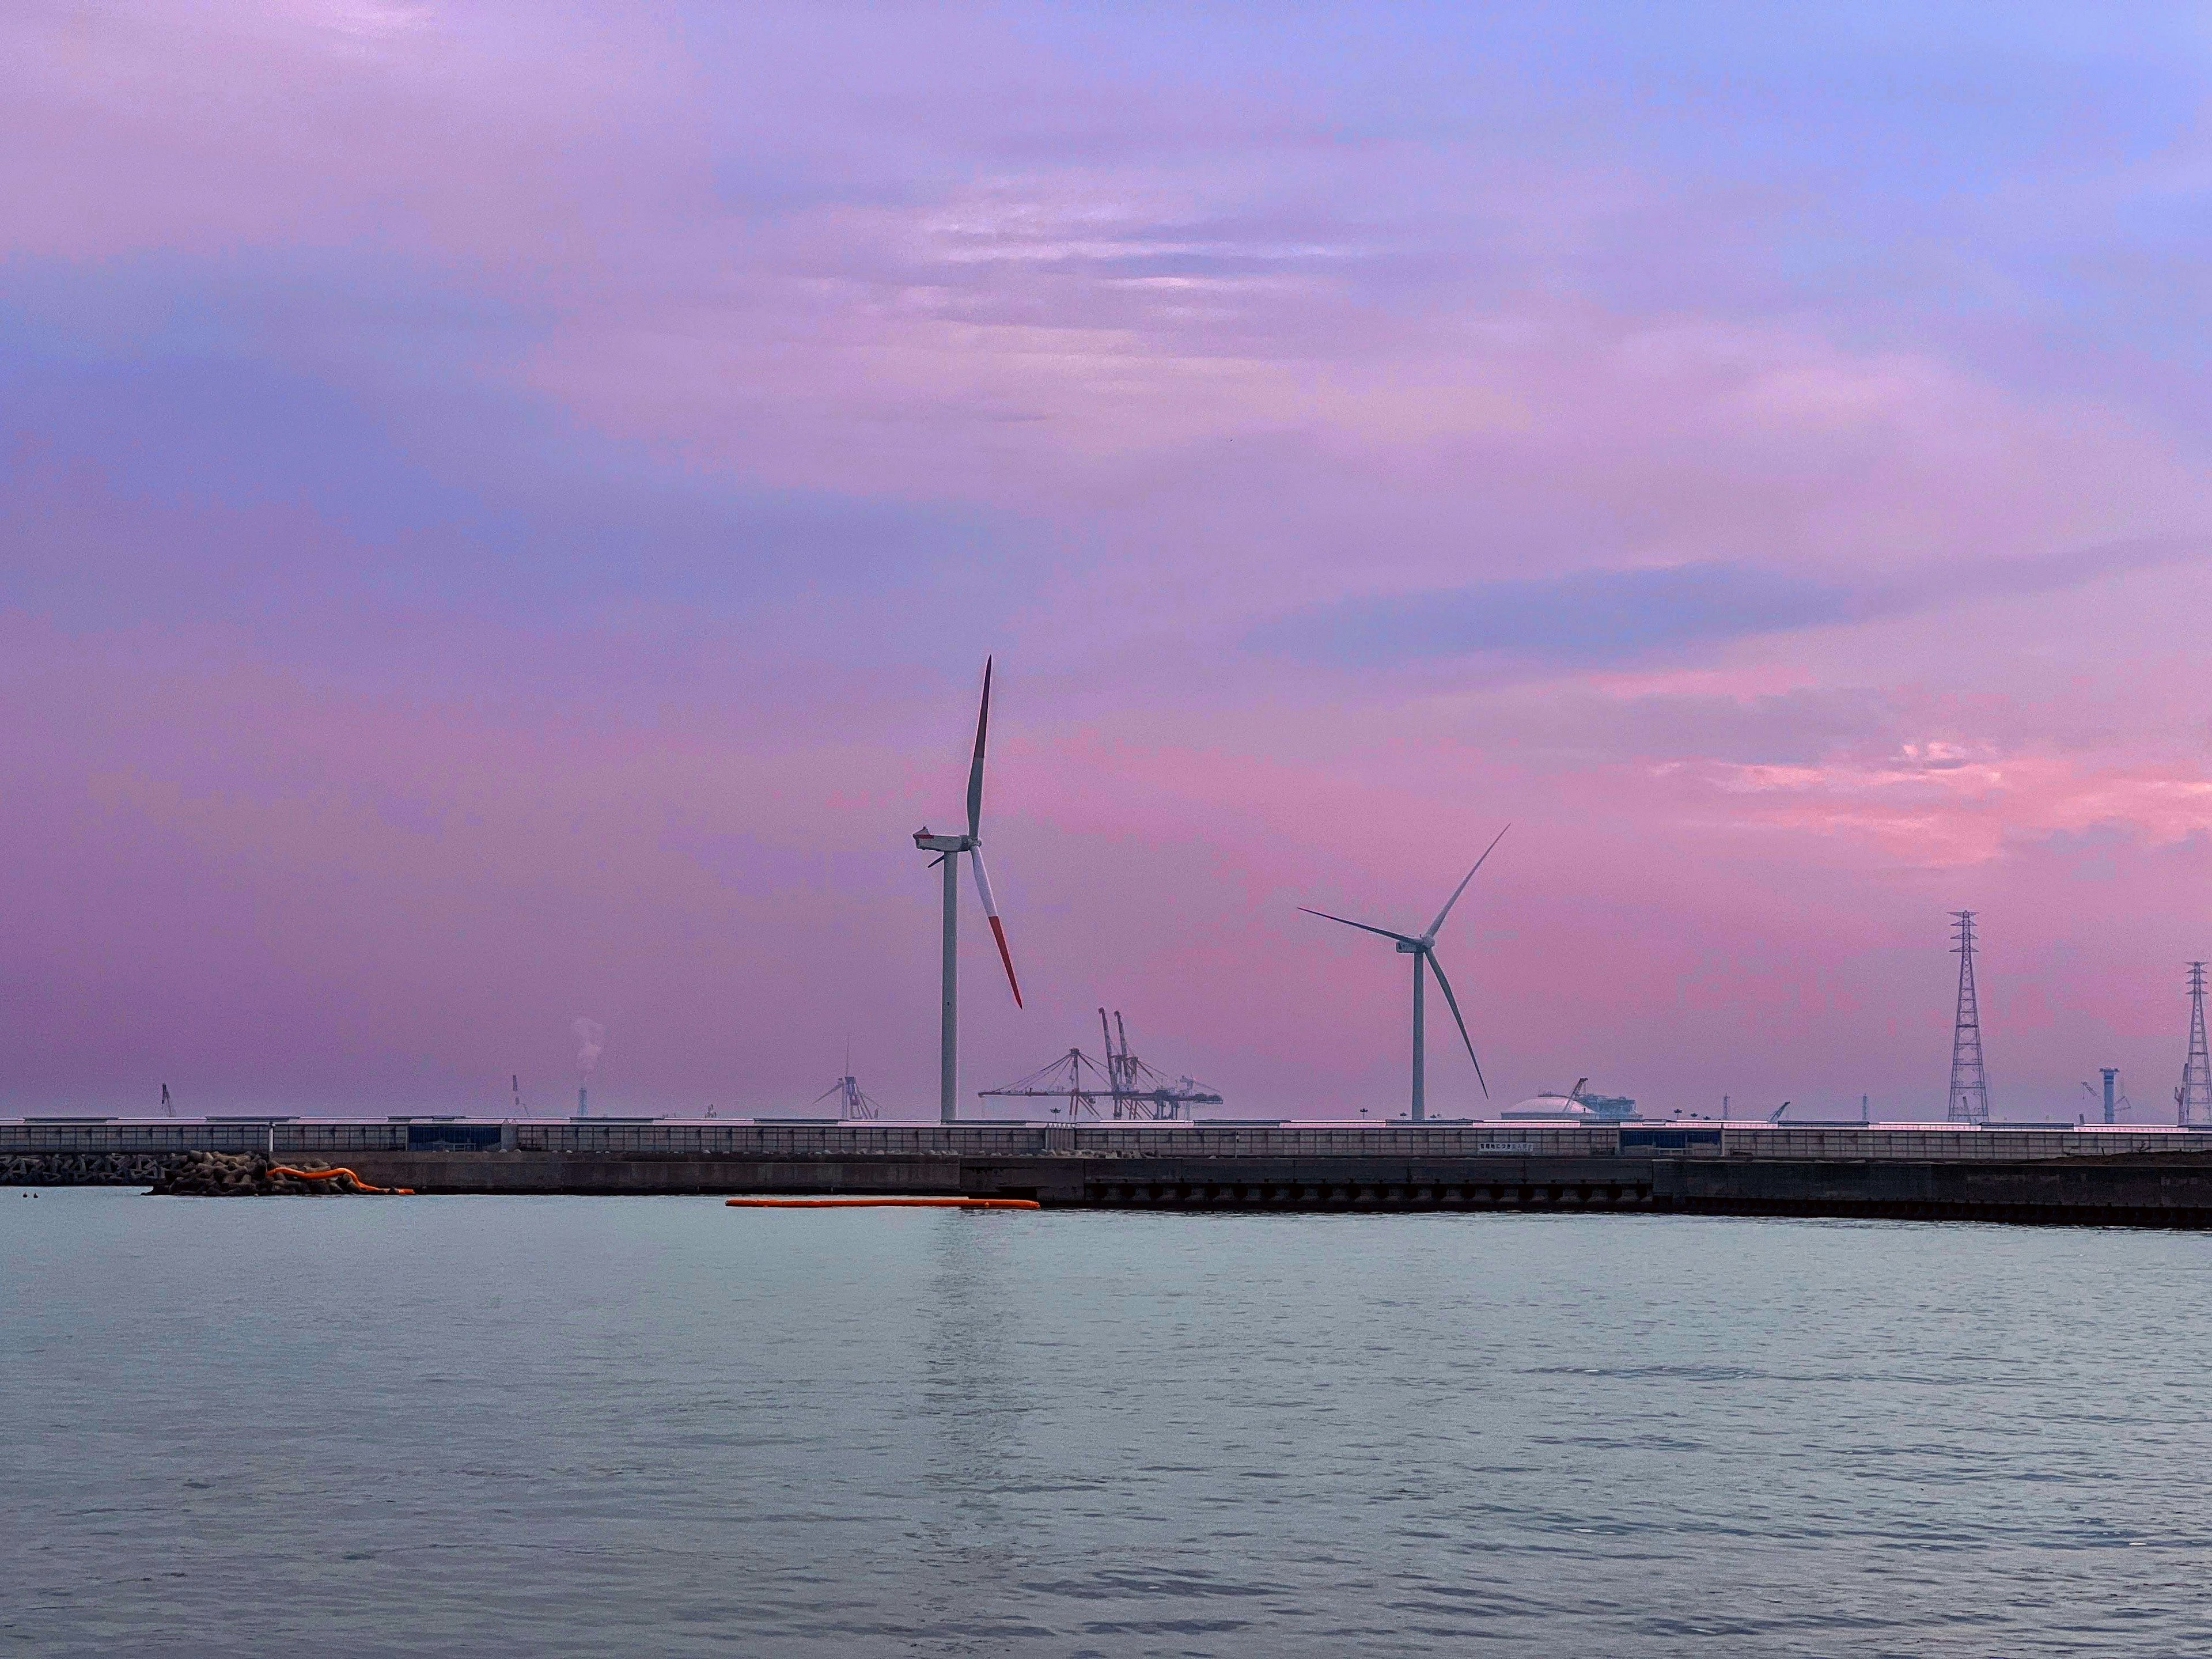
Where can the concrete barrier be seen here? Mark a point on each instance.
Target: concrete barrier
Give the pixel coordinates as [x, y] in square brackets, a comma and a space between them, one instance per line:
[2124, 1177]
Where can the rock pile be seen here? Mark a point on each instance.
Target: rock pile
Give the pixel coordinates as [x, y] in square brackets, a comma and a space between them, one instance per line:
[254, 1175]
[81, 1168]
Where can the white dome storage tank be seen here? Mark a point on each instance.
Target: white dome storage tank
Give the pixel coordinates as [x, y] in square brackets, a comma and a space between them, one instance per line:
[1575, 1106]
[1562, 1108]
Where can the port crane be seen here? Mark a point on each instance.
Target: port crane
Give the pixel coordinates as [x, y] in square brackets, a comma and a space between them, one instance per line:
[1121, 1087]
[852, 1104]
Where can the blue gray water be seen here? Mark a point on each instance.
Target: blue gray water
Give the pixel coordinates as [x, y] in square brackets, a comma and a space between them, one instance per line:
[584, 1426]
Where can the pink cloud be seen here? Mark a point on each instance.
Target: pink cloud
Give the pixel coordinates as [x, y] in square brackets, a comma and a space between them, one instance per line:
[287, 822]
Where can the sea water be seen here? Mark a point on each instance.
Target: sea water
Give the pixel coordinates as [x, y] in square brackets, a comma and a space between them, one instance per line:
[511, 1425]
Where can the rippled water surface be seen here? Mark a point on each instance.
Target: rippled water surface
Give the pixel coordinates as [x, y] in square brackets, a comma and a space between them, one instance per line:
[582, 1426]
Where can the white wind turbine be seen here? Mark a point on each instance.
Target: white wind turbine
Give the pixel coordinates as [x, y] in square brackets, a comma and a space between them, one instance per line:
[948, 849]
[1422, 950]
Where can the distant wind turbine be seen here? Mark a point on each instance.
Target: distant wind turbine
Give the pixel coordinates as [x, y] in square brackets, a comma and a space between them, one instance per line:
[948, 849]
[1423, 950]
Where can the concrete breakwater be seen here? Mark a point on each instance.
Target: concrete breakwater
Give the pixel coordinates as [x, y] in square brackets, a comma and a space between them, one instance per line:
[83, 1169]
[2173, 1189]
[2097, 1176]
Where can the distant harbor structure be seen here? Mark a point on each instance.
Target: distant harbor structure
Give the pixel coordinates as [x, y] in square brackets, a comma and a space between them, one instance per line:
[1576, 1105]
[1121, 1088]
[854, 1105]
[591, 1043]
[2113, 1099]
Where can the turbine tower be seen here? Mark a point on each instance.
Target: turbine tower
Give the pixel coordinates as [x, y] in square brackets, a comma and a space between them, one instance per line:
[2193, 1099]
[1422, 950]
[949, 849]
[1969, 1083]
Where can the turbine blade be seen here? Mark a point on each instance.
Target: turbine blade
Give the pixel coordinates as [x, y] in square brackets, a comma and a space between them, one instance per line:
[1445, 985]
[983, 882]
[975, 769]
[1007, 957]
[1362, 925]
[1464, 879]
[991, 912]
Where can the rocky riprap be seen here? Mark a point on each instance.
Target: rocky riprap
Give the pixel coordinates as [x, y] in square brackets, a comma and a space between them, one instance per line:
[81, 1169]
[196, 1175]
[250, 1175]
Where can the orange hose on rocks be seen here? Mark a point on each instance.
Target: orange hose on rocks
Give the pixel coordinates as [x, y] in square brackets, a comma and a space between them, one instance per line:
[883, 1203]
[325, 1175]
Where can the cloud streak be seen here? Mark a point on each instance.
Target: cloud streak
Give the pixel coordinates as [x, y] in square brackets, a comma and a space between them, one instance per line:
[1620, 617]
[1584, 616]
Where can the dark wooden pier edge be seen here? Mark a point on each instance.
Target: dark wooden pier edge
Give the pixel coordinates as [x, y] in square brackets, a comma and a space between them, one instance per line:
[2102, 1177]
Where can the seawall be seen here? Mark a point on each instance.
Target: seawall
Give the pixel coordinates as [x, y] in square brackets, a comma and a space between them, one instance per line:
[2088, 1176]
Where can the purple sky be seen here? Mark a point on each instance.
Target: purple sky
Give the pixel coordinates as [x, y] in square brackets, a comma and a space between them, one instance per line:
[502, 512]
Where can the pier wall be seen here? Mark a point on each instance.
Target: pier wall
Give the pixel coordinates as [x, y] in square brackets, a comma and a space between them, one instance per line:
[2161, 1190]
[2118, 1176]
[326, 1138]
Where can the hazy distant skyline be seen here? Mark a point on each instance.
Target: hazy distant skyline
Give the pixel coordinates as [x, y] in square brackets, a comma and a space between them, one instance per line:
[504, 511]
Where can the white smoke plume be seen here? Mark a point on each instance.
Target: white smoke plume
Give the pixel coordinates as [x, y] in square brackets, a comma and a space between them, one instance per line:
[591, 1039]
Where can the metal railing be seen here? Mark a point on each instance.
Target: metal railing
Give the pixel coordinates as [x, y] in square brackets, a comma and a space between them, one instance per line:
[1916, 1143]
[282, 1139]
[1033, 1140]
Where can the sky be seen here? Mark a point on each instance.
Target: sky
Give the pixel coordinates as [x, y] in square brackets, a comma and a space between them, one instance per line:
[503, 510]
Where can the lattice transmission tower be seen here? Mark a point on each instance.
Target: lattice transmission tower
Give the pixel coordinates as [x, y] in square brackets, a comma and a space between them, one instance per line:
[1969, 1083]
[2193, 1099]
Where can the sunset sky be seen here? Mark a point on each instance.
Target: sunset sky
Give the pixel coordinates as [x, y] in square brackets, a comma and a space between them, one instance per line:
[502, 512]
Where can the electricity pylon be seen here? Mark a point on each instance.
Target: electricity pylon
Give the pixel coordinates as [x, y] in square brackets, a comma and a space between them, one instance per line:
[1969, 1083]
[2193, 1099]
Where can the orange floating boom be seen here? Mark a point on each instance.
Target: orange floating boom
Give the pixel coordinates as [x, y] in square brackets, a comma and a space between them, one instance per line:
[882, 1203]
[330, 1174]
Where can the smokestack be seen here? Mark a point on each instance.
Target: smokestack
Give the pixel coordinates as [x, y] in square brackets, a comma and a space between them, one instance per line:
[591, 1039]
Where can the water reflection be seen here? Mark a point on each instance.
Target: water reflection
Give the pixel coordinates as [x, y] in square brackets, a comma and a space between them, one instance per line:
[656, 1424]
